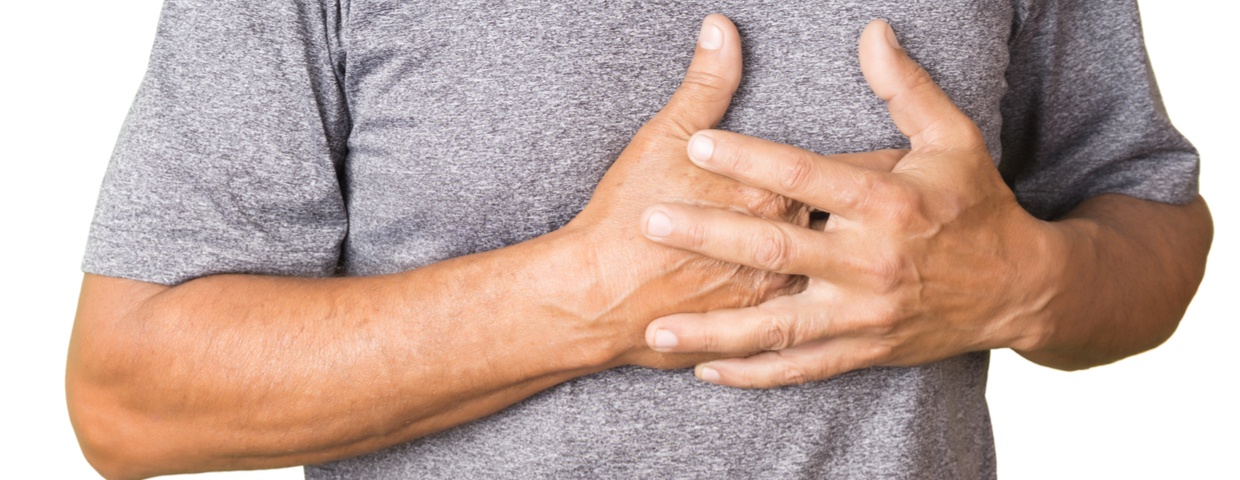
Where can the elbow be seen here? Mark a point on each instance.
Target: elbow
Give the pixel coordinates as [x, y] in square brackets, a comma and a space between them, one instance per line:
[108, 386]
[100, 429]
[1108, 347]
[1177, 252]
[109, 463]
[1203, 239]
[1186, 271]
[1068, 361]
[105, 404]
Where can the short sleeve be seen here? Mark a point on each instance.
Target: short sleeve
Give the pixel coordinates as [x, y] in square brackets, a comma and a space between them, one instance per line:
[1083, 115]
[228, 160]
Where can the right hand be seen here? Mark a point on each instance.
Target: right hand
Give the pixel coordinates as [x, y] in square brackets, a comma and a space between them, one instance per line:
[638, 280]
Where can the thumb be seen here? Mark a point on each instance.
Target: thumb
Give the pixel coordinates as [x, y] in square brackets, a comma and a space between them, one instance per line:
[917, 105]
[714, 73]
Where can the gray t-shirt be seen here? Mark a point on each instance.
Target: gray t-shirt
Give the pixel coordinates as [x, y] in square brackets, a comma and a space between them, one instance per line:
[321, 137]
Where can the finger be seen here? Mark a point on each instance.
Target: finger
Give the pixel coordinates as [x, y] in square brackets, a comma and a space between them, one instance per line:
[881, 160]
[918, 106]
[734, 237]
[706, 91]
[777, 324]
[793, 366]
[848, 187]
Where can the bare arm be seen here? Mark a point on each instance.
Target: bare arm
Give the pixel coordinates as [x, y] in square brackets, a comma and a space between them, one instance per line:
[237, 371]
[240, 371]
[1129, 271]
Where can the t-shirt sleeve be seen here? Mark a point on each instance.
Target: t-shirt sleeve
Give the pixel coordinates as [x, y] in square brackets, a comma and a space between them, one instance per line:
[1083, 115]
[228, 160]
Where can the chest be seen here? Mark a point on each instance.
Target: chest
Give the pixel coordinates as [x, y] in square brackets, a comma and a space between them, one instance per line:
[482, 123]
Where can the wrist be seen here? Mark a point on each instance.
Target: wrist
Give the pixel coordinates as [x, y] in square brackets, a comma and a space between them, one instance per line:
[619, 282]
[571, 283]
[1061, 258]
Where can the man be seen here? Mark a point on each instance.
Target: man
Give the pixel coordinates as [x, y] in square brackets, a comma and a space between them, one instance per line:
[418, 148]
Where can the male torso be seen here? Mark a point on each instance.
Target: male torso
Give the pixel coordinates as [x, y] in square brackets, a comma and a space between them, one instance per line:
[475, 125]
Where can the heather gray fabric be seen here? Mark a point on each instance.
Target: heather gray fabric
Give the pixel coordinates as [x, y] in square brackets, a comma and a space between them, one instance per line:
[307, 138]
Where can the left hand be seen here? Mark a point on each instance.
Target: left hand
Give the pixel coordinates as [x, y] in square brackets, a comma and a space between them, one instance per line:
[928, 261]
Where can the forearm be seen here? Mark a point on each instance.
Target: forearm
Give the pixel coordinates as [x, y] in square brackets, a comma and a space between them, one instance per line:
[1128, 271]
[238, 371]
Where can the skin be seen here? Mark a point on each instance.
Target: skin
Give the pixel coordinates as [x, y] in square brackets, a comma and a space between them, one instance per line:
[233, 372]
[927, 261]
[240, 371]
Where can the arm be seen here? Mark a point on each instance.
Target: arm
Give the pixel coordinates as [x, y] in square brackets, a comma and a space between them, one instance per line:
[1129, 271]
[238, 371]
[1071, 136]
[245, 371]
[932, 259]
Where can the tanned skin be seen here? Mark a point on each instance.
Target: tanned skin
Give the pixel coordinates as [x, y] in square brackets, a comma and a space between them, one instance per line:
[927, 261]
[241, 371]
[232, 372]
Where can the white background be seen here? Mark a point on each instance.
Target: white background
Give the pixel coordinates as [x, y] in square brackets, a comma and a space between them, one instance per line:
[70, 69]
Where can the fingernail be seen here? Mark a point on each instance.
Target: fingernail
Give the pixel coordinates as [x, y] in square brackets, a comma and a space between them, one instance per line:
[711, 37]
[708, 374]
[658, 224]
[664, 339]
[891, 36]
[701, 148]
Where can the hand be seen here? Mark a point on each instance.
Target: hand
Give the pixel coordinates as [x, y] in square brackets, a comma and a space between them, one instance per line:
[637, 281]
[925, 262]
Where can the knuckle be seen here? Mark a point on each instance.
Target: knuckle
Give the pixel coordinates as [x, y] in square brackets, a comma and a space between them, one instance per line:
[704, 85]
[917, 81]
[886, 270]
[772, 251]
[796, 176]
[868, 185]
[775, 332]
[903, 205]
[793, 374]
[709, 342]
[696, 235]
[919, 78]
